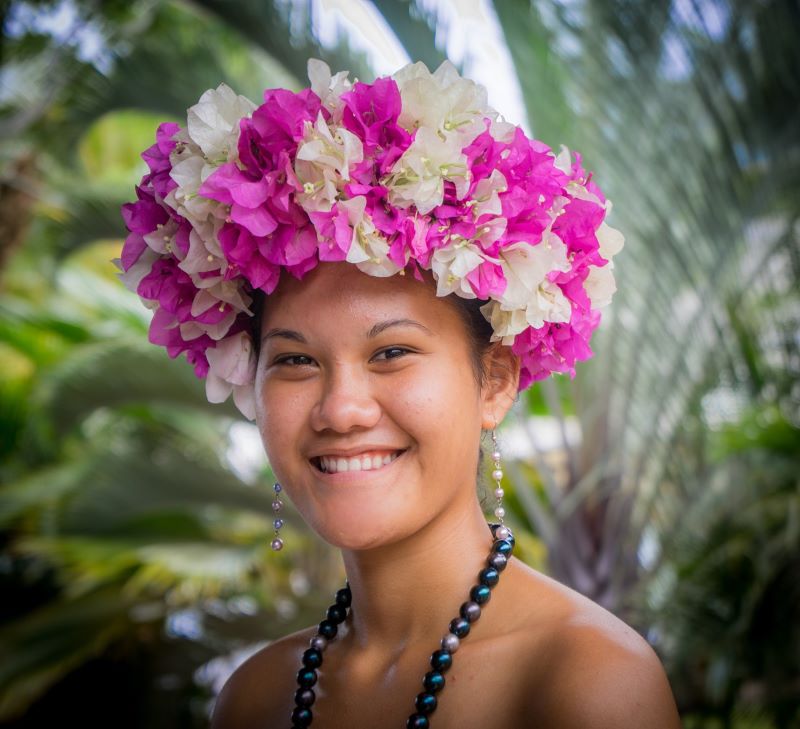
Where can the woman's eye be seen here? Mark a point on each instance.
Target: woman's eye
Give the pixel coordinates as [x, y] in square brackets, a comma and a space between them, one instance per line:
[285, 360]
[402, 350]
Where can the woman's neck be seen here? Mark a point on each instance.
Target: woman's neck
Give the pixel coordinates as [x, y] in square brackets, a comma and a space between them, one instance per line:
[407, 592]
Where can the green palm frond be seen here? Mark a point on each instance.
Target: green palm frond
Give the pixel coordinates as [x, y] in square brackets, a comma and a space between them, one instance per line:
[416, 32]
[43, 646]
[283, 31]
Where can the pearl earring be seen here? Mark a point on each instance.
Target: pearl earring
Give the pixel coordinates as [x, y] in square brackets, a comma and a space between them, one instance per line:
[277, 505]
[497, 475]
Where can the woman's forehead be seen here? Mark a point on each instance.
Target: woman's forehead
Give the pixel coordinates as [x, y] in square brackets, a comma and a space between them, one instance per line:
[340, 289]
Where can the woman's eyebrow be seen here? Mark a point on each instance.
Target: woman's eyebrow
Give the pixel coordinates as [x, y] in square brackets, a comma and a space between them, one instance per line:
[373, 332]
[383, 325]
[285, 333]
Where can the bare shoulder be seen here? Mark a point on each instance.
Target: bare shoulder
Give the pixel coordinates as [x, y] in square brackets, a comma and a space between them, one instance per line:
[259, 690]
[589, 667]
[611, 677]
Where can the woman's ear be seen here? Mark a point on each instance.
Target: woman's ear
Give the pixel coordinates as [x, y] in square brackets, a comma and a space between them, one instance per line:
[501, 386]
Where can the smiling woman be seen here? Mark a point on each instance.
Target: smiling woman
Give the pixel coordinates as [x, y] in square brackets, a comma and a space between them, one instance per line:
[354, 366]
[375, 271]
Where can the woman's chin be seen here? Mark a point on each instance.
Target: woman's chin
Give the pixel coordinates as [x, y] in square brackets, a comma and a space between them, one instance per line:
[359, 529]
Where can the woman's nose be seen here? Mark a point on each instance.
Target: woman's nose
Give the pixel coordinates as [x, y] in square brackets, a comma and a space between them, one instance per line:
[346, 402]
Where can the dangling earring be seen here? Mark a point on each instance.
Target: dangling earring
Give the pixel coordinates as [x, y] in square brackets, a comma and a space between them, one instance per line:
[497, 475]
[277, 505]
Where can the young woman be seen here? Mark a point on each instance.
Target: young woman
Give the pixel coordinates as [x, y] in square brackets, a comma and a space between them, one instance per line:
[412, 533]
[374, 272]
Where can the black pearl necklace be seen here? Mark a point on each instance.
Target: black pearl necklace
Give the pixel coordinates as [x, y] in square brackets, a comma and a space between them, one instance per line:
[441, 659]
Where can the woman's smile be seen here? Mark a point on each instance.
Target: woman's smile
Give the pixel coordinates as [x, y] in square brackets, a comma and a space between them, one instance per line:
[356, 468]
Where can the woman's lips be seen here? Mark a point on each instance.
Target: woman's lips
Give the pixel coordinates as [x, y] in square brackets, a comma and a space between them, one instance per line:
[354, 475]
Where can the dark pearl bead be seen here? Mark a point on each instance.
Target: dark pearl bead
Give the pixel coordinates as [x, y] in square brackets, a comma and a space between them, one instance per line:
[327, 629]
[470, 611]
[498, 561]
[304, 697]
[306, 677]
[480, 594]
[502, 546]
[343, 597]
[433, 681]
[488, 576]
[417, 721]
[337, 613]
[441, 660]
[425, 703]
[459, 627]
[301, 716]
[312, 658]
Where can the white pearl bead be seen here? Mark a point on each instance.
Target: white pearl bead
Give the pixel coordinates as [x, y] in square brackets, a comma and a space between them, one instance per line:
[319, 642]
[502, 531]
[499, 493]
[499, 512]
[497, 474]
[450, 643]
[496, 455]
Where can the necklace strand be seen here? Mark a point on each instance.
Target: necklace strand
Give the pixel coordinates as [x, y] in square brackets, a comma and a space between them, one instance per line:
[433, 681]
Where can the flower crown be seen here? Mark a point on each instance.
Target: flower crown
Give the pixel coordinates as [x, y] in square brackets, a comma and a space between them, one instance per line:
[414, 171]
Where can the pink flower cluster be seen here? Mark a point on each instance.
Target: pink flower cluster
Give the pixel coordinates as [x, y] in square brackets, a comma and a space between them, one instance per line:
[397, 175]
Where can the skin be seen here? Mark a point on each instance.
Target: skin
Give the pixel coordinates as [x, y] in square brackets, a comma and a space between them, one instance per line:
[413, 536]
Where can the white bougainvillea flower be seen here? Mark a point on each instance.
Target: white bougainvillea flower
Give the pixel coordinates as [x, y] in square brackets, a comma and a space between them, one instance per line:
[525, 268]
[563, 159]
[600, 285]
[160, 240]
[210, 139]
[417, 178]
[442, 101]
[328, 88]
[134, 275]
[223, 291]
[204, 253]
[213, 123]
[193, 329]
[610, 239]
[548, 304]
[501, 130]
[190, 171]
[320, 186]
[451, 264]
[323, 163]
[486, 197]
[336, 148]
[368, 248]
[489, 231]
[506, 324]
[232, 366]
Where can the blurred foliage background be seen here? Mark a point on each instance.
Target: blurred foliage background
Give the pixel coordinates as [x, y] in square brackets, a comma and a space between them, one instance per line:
[663, 482]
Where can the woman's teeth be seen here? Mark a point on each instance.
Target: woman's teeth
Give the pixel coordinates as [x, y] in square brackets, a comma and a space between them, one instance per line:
[366, 462]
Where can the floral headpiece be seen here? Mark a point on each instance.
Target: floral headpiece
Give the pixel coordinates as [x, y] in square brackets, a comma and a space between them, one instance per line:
[414, 171]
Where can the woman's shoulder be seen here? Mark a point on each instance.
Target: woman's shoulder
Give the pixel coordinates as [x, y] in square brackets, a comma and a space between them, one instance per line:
[260, 687]
[587, 667]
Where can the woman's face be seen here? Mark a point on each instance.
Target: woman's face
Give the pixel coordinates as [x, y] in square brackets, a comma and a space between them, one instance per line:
[353, 366]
